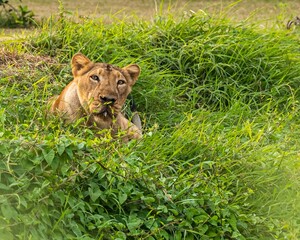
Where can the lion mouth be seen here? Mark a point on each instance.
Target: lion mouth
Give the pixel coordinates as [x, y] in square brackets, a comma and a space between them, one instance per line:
[104, 111]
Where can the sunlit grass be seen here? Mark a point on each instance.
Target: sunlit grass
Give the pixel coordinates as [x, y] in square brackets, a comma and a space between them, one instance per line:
[219, 157]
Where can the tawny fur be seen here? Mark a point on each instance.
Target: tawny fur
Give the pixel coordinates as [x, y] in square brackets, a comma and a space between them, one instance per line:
[98, 91]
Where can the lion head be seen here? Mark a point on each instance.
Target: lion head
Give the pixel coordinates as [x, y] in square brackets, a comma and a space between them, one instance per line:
[102, 88]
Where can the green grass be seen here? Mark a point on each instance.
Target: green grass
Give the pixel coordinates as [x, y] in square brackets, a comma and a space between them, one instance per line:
[219, 157]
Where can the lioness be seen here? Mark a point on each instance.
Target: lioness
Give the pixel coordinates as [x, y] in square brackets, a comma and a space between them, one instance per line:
[98, 91]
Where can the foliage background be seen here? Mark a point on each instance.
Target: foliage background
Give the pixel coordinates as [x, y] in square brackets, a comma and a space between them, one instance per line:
[219, 157]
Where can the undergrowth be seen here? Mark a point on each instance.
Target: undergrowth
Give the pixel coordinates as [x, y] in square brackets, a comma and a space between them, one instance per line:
[11, 17]
[219, 156]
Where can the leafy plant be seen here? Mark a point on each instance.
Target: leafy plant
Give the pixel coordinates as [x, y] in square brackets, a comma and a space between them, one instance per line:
[15, 17]
[219, 156]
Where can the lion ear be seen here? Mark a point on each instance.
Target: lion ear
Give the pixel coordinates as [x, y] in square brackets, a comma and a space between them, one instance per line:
[134, 71]
[79, 61]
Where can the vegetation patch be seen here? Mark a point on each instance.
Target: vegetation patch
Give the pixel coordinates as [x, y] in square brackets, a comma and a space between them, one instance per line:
[17, 61]
[219, 156]
[11, 16]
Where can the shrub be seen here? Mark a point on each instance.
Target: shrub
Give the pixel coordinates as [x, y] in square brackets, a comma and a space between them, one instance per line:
[15, 17]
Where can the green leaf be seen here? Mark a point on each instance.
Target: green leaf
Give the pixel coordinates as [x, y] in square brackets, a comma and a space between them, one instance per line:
[69, 151]
[60, 195]
[4, 187]
[76, 229]
[80, 146]
[6, 235]
[214, 220]
[133, 222]
[120, 236]
[148, 200]
[95, 192]
[49, 156]
[3, 149]
[60, 148]
[178, 235]
[151, 224]
[202, 229]
[163, 234]
[191, 212]
[162, 208]
[8, 211]
[23, 201]
[122, 197]
[55, 163]
[64, 169]
[232, 222]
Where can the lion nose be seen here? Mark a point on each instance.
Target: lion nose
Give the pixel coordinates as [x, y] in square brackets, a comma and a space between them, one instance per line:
[108, 100]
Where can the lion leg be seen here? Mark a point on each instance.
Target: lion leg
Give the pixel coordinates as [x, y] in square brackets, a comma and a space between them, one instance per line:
[136, 120]
[132, 131]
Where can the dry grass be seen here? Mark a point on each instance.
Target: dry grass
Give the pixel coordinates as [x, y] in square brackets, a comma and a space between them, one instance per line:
[13, 63]
[20, 60]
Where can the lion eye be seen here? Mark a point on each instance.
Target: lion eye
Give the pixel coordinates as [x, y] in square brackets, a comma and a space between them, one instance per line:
[95, 78]
[121, 82]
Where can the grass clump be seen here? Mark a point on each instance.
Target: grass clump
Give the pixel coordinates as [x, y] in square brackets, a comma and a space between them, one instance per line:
[208, 62]
[219, 155]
